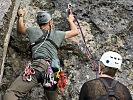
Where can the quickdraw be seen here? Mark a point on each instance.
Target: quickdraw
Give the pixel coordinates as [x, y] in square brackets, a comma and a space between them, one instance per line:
[49, 76]
[69, 6]
[28, 71]
[60, 76]
[62, 80]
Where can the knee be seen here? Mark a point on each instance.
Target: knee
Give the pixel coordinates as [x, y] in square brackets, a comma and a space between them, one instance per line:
[12, 95]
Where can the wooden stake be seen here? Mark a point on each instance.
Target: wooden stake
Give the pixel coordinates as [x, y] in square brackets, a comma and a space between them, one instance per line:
[7, 38]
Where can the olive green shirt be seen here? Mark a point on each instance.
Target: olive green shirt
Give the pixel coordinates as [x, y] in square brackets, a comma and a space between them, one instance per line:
[45, 49]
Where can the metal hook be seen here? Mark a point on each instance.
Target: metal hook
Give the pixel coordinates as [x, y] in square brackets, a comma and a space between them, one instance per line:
[29, 78]
[69, 5]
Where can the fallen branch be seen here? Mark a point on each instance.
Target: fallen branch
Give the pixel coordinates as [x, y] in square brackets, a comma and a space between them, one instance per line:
[7, 38]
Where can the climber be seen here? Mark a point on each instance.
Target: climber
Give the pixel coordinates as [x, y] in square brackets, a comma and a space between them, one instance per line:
[105, 87]
[45, 42]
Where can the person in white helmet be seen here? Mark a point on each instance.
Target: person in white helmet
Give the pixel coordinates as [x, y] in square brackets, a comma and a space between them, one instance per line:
[105, 87]
[45, 42]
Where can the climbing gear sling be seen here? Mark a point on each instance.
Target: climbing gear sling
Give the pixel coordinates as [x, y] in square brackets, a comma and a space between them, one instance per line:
[49, 76]
[28, 71]
[49, 80]
[55, 78]
[58, 78]
[110, 90]
[62, 80]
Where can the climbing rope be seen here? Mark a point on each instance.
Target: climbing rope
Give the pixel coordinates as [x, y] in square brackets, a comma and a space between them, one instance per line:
[90, 56]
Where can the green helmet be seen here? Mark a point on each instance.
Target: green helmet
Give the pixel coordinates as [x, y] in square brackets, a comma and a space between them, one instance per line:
[43, 17]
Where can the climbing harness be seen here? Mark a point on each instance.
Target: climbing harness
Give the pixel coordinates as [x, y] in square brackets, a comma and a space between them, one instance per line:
[50, 78]
[28, 71]
[90, 56]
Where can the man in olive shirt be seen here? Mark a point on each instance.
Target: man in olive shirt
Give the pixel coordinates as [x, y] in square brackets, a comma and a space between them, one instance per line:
[105, 87]
[41, 51]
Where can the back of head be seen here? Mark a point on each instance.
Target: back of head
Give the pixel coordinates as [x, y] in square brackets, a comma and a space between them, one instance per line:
[43, 17]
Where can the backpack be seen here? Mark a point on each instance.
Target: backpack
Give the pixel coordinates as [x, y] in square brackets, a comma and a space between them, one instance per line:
[110, 90]
[45, 36]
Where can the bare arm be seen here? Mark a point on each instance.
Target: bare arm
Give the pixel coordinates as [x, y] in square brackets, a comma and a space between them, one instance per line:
[20, 24]
[74, 31]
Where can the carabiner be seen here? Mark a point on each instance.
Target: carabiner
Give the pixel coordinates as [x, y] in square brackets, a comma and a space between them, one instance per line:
[69, 6]
[28, 78]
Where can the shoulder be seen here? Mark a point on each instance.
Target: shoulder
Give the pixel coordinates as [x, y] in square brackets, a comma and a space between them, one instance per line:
[91, 82]
[125, 93]
[59, 32]
[32, 29]
[121, 86]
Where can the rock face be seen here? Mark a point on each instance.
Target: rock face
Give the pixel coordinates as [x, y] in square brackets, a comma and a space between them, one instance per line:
[106, 24]
[4, 6]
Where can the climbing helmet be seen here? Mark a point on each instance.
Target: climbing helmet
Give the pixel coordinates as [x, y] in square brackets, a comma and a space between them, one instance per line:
[112, 59]
[43, 17]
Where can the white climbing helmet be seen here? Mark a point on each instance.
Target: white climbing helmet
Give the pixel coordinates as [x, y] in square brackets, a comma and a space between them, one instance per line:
[111, 59]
